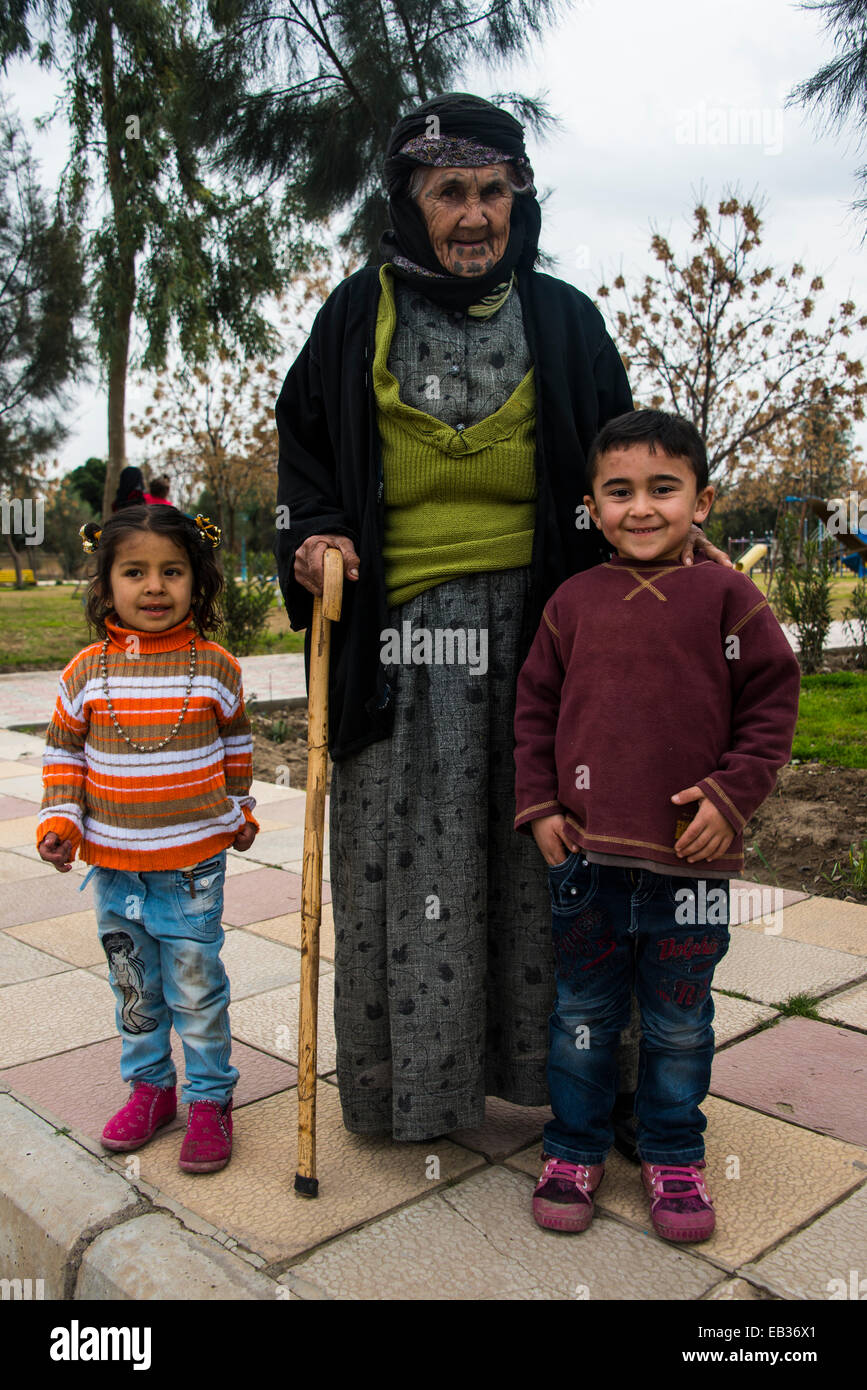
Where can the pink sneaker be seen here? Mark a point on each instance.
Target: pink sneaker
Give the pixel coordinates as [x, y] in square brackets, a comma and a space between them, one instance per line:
[562, 1200]
[147, 1110]
[680, 1207]
[207, 1144]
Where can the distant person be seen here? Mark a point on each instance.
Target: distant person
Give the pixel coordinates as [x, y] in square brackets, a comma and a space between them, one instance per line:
[130, 489]
[159, 493]
[672, 692]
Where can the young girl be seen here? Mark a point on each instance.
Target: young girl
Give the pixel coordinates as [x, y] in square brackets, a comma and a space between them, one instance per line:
[147, 775]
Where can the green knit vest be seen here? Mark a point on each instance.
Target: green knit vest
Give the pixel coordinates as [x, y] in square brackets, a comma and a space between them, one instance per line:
[456, 502]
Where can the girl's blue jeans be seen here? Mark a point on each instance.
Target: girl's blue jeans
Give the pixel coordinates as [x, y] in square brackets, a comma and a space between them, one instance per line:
[614, 928]
[162, 941]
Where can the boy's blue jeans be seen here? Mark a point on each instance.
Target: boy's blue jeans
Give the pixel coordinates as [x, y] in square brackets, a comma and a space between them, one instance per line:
[612, 926]
[163, 948]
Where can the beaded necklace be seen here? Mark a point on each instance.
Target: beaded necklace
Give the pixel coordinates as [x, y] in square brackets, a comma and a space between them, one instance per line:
[147, 747]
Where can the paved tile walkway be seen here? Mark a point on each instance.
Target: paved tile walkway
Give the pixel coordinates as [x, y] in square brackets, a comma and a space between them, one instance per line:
[451, 1218]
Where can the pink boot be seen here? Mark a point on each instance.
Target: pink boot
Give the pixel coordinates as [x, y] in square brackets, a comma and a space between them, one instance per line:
[207, 1144]
[147, 1110]
[563, 1198]
[680, 1207]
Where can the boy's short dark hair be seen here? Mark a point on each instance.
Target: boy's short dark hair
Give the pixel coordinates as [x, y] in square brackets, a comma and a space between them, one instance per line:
[160, 486]
[676, 436]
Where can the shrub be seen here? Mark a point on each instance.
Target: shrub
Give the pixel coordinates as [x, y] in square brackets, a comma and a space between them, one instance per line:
[804, 592]
[246, 605]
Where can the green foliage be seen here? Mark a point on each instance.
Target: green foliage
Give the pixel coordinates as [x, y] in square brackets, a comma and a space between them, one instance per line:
[855, 619]
[852, 871]
[798, 1006]
[246, 605]
[365, 66]
[89, 482]
[803, 592]
[63, 518]
[42, 296]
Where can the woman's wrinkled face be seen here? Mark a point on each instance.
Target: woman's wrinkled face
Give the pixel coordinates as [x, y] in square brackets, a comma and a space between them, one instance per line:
[467, 212]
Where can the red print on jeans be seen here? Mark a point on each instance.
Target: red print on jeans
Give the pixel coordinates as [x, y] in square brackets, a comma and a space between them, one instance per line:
[575, 949]
[668, 947]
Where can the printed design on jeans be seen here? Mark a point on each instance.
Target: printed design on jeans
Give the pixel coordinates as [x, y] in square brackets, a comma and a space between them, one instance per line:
[687, 993]
[582, 945]
[127, 969]
[670, 948]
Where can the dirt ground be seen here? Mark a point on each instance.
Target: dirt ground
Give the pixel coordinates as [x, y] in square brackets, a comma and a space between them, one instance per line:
[799, 838]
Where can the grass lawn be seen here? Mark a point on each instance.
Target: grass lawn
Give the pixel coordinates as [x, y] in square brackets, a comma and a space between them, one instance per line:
[832, 719]
[42, 628]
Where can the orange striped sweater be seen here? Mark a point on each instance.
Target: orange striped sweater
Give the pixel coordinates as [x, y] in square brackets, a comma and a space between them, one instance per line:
[163, 810]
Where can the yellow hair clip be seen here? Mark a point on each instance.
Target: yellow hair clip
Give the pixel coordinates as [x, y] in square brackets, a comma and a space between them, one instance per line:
[209, 529]
[89, 543]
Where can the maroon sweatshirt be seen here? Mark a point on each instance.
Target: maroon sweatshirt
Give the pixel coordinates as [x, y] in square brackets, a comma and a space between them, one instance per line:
[645, 678]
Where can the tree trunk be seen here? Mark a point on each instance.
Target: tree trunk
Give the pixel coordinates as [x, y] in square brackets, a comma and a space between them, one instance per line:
[16, 560]
[113, 124]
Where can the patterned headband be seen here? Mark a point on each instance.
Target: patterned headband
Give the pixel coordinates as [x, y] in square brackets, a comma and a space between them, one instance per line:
[460, 152]
[89, 543]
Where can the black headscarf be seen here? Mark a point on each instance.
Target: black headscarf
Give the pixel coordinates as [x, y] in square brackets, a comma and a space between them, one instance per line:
[479, 123]
[130, 489]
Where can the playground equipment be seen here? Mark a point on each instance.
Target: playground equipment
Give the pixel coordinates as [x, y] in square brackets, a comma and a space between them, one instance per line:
[840, 516]
[751, 557]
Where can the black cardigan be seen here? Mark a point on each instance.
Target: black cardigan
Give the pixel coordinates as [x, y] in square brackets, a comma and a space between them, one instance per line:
[330, 473]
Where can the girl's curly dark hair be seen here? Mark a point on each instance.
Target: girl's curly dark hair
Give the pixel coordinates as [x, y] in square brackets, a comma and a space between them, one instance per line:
[163, 521]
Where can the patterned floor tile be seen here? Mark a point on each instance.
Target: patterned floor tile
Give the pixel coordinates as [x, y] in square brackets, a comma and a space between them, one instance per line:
[21, 962]
[255, 964]
[360, 1176]
[19, 831]
[35, 899]
[27, 784]
[506, 1129]
[732, 1017]
[277, 815]
[269, 793]
[781, 1177]
[756, 900]
[55, 1014]
[19, 866]
[8, 768]
[256, 897]
[771, 969]
[478, 1241]
[809, 1073]
[84, 1087]
[237, 863]
[850, 1007]
[275, 846]
[15, 806]
[827, 922]
[738, 1290]
[827, 1260]
[288, 930]
[270, 1021]
[73, 938]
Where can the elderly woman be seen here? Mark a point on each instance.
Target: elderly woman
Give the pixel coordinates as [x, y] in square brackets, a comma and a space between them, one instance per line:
[434, 427]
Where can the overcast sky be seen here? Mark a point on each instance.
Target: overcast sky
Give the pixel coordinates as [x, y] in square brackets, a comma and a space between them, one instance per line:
[657, 102]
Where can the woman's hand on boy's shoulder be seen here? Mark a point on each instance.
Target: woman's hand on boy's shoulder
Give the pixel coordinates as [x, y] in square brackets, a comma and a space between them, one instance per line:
[697, 541]
[245, 837]
[56, 851]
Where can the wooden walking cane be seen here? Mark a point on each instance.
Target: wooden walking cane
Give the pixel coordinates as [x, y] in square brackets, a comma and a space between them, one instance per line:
[326, 610]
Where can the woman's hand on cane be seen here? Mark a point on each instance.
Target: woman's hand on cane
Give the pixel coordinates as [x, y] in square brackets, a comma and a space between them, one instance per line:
[310, 560]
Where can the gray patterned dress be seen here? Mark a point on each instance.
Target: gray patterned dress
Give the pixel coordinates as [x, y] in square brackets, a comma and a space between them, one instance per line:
[444, 974]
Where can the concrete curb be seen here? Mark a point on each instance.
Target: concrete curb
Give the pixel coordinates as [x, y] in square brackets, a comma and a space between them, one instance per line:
[77, 1230]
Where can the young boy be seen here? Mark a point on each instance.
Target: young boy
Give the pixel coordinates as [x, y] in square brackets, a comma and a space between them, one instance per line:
[654, 710]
